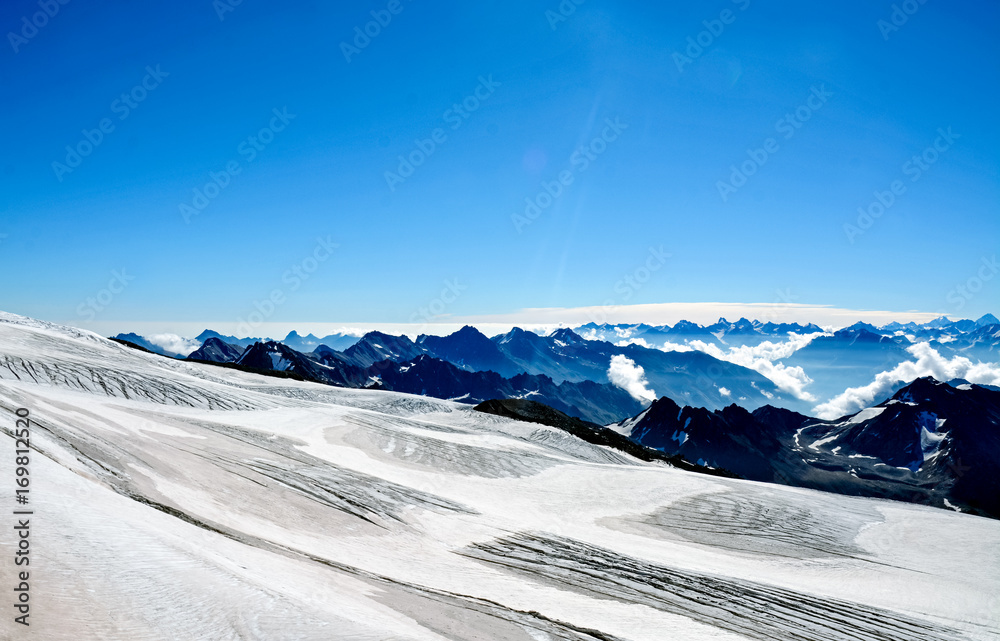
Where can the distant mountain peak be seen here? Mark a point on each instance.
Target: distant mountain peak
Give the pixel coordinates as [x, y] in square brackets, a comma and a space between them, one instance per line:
[216, 350]
[469, 331]
[686, 327]
[743, 326]
[205, 335]
[566, 335]
[861, 325]
[940, 321]
[516, 333]
[987, 319]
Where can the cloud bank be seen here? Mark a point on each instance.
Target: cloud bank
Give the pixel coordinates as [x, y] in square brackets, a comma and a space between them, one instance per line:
[761, 358]
[635, 341]
[174, 344]
[677, 347]
[929, 362]
[624, 373]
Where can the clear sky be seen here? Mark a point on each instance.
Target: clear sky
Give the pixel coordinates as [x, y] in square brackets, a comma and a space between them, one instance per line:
[494, 101]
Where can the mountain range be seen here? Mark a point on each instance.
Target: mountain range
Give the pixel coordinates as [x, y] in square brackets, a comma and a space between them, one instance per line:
[429, 376]
[932, 442]
[532, 363]
[750, 363]
[293, 340]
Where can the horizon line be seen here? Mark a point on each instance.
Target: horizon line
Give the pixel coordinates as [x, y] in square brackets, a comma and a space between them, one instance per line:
[543, 319]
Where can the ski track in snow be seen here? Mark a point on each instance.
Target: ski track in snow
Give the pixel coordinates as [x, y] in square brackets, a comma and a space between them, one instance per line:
[184, 501]
[732, 605]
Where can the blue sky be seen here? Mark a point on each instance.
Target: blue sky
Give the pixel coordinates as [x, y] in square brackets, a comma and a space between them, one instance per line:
[865, 100]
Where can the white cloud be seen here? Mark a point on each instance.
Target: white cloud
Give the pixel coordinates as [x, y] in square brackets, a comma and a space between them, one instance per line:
[174, 344]
[635, 341]
[766, 393]
[724, 391]
[624, 373]
[350, 331]
[777, 351]
[928, 363]
[760, 358]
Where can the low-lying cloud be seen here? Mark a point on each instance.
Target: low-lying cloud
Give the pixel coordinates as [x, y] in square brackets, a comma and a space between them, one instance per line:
[174, 344]
[929, 362]
[642, 342]
[677, 347]
[624, 373]
[761, 358]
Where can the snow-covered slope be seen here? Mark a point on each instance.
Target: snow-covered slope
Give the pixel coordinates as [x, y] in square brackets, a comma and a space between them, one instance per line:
[176, 500]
